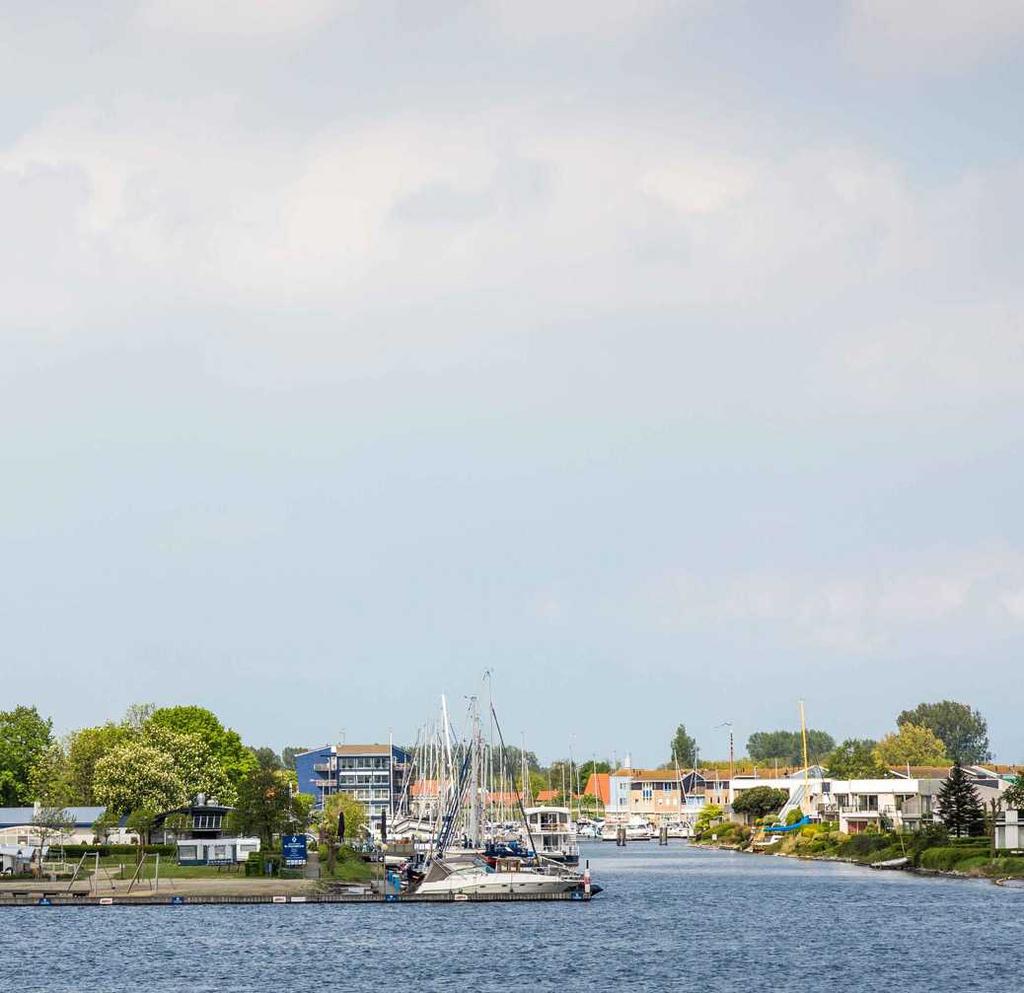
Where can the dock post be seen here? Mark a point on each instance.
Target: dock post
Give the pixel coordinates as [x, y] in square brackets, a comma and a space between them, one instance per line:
[620, 837]
[663, 835]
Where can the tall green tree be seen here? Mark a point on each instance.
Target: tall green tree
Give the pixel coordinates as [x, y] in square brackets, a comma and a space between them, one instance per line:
[288, 754]
[138, 776]
[49, 780]
[683, 748]
[24, 736]
[266, 806]
[855, 759]
[224, 744]
[85, 748]
[960, 806]
[268, 758]
[194, 760]
[787, 746]
[962, 730]
[913, 744]
[760, 800]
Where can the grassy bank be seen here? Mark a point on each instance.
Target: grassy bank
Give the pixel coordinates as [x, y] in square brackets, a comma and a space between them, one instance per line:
[928, 850]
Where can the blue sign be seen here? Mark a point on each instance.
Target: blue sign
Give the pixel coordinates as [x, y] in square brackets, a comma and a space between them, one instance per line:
[293, 847]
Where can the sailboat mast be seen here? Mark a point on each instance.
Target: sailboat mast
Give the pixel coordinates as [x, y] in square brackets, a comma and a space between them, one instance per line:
[803, 735]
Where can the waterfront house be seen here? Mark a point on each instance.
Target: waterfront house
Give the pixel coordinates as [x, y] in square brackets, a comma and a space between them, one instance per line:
[374, 775]
[200, 832]
[661, 796]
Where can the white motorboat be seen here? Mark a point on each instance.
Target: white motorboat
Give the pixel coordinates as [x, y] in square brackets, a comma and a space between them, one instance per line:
[472, 877]
[637, 829]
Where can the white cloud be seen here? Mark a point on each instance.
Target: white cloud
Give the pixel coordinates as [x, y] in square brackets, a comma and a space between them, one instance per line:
[866, 613]
[535, 19]
[183, 202]
[241, 18]
[1013, 602]
[939, 36]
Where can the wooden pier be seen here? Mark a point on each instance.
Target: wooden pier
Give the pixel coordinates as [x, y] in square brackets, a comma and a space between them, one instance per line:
[48, 898]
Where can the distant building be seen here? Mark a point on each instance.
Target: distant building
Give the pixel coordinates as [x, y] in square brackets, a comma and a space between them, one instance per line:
[599, 787]
[16, 826]
[198, 830]
[660, 796]
[372, 774]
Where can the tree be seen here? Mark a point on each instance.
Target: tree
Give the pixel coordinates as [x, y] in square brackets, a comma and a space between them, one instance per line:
[963, 731]
[49, 782]
[855, 759]
[709, 814]
[24, 736]
[911, 745]
[1013, 798]
[266, 806]
[137, 776]
[194, 759]
[355, 816]
[760, 800]
[51, 824]
[267, 758]
[225, 745]
[288, 755]
[142, 822]
[137, 714]
[589, 768]
[787, 746]
[683, 748]
[105, 825]
[85, 748]
[960, 806]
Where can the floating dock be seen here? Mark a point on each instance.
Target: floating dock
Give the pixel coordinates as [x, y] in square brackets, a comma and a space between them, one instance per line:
[50, 899]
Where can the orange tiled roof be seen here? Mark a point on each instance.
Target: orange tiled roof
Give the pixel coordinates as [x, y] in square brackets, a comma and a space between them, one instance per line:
[599, 785]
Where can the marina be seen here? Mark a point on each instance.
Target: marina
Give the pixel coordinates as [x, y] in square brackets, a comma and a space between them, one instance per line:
[673, 917]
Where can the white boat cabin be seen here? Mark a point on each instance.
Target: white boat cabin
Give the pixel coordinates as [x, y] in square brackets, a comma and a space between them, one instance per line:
[552, 831]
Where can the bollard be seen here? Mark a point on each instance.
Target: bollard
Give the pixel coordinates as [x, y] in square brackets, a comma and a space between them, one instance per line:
[620, 837]
[663, 836]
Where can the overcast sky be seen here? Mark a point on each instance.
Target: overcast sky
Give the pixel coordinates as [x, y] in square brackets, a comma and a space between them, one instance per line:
[664, 357]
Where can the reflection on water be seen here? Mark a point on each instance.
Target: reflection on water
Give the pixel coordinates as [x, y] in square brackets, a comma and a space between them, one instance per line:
[671, 918]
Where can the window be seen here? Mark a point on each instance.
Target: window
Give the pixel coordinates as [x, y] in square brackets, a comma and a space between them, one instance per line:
[187, 852]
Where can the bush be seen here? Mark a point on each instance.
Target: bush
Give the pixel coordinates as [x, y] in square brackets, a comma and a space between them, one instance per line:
[950, 857]
[255, 864]
[859, 845]
[77, 851]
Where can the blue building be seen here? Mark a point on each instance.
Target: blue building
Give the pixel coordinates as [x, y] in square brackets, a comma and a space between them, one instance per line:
[374, 775]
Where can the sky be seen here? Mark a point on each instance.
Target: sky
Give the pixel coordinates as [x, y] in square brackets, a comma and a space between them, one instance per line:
[664, 358]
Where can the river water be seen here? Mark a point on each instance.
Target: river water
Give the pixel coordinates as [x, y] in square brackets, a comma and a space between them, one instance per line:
[673, 918]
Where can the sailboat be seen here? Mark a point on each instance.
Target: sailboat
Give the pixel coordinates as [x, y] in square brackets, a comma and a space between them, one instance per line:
[450, 870]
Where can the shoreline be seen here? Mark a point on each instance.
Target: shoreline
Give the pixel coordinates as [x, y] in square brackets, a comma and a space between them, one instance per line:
[913, 869]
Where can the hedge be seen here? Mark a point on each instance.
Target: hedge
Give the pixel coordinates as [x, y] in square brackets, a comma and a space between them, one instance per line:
[947, 857]
[105, 850]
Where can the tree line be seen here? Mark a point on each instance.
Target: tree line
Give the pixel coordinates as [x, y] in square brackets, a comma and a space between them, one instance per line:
[932, 734]
[153, 760]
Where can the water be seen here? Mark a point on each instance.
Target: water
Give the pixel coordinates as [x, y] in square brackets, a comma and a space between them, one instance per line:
[670, 919]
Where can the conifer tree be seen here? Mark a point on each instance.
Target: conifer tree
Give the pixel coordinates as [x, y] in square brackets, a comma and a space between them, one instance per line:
[960, 806]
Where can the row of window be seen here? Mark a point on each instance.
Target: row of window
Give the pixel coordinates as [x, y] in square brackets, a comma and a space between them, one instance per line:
[364, 762]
